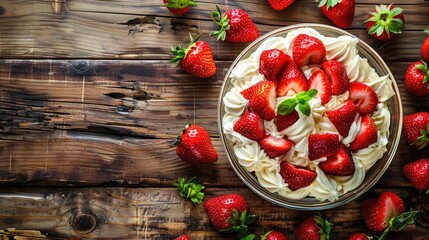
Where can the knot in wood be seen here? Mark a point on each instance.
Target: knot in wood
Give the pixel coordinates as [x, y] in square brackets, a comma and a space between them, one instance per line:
[81, 65]
[84, 223]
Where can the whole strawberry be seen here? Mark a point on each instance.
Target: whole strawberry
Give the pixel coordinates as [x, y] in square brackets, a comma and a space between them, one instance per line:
[425, 47]
[313, 228]
[229, 213]
[416, 129]
[236, 26]
[197, 59]
[179, 7]
[339, 12]
[417, 78]
[385, 22]
[193, 145]
[279, 5]
[274, 235]
[183, 237]
[418, 173]
[359, 236]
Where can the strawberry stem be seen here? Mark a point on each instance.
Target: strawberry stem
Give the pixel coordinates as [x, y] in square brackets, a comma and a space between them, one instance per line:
[239, 224]
[222, 21]
[423, 140]
[329, 3]
[191, 189]
[398, 223]
[427, 30]
[324, 226]
[179, 137]
[385, 18]
[180, 3]
[180, 52]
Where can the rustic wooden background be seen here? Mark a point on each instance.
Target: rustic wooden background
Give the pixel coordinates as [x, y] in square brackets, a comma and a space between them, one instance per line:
[89, 106]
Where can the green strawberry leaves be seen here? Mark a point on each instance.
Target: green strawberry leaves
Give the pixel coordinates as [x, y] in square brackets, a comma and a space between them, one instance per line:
[180, 52]
[427, 30]
[222, 21]
[239, 224]
[423, 140]
[386, 20]
[324, 226]
[301, 99]
[398, 223]
[424, 68]
[191, 189]
[329, 3]
[180, 3]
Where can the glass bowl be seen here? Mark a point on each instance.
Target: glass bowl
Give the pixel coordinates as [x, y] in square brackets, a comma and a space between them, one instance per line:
[372, 175]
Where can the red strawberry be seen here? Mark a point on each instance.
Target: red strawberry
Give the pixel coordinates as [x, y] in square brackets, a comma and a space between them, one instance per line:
[285, 121]
[339, 164]
[425, 47]
[321, 83]
[251, 126]
[272, 62]
[367, 134]
[307, 50]
[322, 145]
[197, 59]
[364, 97]
[417, 78]
[183, 237]
[342, 117]
[337, 75]
[416, 129]
[262, 99]
[275, 147]
[358, 236]
[296, 177]
[339, 12]
[279, 5]
[274, 235]
[418, 173]
[385, 22]
[179, 7]
[193, 145]
[236, 26]
[292, 78]
[313, 228]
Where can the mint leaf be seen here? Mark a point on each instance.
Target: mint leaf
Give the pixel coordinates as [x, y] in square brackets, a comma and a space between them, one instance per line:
[287, 106]
[305, 108]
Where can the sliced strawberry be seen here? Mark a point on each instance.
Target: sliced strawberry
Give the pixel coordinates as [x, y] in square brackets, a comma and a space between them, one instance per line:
[275, 147]
[285, 121]
[291, 78]
[262, 99]
[272, 62]
[307, 50]
[339, 164]
[321, 83]
[296, 177]
[342, 117]
[367, 134]
[251, 126]
[337, 75]
[322, 145]
[364, 97]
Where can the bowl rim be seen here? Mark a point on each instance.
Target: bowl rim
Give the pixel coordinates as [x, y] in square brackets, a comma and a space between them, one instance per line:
[393, 148]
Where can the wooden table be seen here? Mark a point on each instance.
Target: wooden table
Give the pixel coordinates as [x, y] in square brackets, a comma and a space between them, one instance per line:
[89, 106]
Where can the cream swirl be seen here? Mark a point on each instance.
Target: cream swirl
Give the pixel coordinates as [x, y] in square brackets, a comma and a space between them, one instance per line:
[358, 69]
[341, 48]
[370, 155]
[269, 176]
[235, 103]
[348, 183]
[250, 156]
[382, 86]
[324, 188]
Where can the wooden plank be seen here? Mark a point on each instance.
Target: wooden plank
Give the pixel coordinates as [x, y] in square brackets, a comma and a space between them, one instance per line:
[92, 29]
[151, 213]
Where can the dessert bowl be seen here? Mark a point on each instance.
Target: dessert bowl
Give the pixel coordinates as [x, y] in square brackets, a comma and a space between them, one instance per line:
[371, 174]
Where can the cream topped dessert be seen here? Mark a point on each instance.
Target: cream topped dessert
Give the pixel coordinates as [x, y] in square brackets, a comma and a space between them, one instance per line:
[307, 115]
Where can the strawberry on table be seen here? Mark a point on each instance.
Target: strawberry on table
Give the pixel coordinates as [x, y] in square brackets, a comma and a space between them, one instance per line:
[364, 97]
[417, 78]
[367, 134]
[307, 50]
[235, 25]
[416, 129]
[179, 7]
[272, 62]
[193, 145]
[358, 236]
[274, 146]
[337, 75]
[197, 59]
[425, 47]
[418, 173]
[279, 5]
[285, 121]
[319, 81]
[291, 78]
[339, 164]
[386, 22]
[183, 237]
[296, 177]
[251, 126]
[342, 117]
[322, 145]
[274, 235]
[313, 228]
[339, 12]
[262, 99]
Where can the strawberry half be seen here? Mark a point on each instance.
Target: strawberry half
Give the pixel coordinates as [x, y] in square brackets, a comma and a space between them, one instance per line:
[364, 97]
[416, 129]
[358, 236]
[251, 126]
[319, 81]
[307, 50]
[417, 78]
[339, 164]
[418, 173]
[425, 47]
[340, 12]
[279, 5]
[235, 25]
[262, 99]
[296, 177]
[342, 117]
[285, 121]
[322, 145]
[313, 228]
[272, 62]
[367, 134]
[179, 7]
[274, 235]
[183, 237]
[337, 75]
[291, 78]
[197, 59]
[386, 22]
[275, 147]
